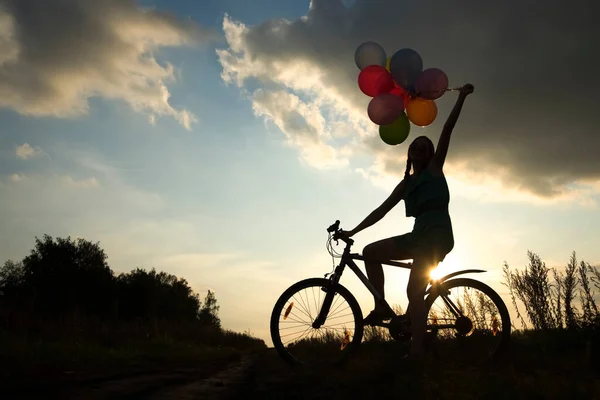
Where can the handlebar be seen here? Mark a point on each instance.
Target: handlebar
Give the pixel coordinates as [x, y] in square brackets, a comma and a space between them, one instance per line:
[337, 234]
[334, 227]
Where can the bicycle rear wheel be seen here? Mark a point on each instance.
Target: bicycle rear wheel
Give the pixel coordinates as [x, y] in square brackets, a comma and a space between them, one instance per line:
[467, 322]
[292, 332]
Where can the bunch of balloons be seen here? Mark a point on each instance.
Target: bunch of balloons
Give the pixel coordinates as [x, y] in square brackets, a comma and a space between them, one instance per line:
[402, 91]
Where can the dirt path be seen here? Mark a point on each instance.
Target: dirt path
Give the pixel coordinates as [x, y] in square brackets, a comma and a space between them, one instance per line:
[263, 375]
[229, 381]
[375, 374]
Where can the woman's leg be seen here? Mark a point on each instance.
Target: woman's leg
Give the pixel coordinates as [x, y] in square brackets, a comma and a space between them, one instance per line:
[417, 283]
[394, 248]
[433, 246]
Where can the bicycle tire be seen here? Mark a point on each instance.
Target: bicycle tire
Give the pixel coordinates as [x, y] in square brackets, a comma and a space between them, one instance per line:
[496, 299]
[348, 350]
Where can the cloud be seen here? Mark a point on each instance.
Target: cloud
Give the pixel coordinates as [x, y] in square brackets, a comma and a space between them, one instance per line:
[16, 178]
[303, 125]
[54, 180]
[57, 54]
[25, 151]
[66, 181]
[80, 183]
[528, 63]
[86, 191]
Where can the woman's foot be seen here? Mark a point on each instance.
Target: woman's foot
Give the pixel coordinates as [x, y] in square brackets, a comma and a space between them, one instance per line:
[417, 354]
[376, 317]
[420, 354]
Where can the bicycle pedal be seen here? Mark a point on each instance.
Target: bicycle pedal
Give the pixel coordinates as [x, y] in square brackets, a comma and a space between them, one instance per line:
[381, 324]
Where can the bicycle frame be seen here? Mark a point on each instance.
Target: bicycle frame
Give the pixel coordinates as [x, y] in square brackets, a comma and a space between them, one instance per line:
[347, 260]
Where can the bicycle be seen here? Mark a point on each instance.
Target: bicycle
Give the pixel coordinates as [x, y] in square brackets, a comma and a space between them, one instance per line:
[454, 330]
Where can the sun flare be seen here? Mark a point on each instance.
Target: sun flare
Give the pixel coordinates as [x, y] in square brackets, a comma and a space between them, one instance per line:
[445, 267]
[436, 273]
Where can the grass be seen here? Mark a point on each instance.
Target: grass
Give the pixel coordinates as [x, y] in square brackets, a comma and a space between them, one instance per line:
[44, 356]
[553, 364]
[538, 365]
[69, 351]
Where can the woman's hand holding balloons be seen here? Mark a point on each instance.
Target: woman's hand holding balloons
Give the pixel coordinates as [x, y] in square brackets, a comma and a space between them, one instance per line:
[467, 90]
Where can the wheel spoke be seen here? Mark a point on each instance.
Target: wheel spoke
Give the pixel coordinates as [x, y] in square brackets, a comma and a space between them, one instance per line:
[302, 308]
[469, 321]
[295, 338]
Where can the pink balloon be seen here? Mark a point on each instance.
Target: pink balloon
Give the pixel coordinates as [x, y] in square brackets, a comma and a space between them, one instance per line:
[385, 108]
[431, 84]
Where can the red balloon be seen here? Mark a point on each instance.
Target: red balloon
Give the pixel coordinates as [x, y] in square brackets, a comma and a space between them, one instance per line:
[398, 91]
[431, 84]
[385, 108]
[374, 80]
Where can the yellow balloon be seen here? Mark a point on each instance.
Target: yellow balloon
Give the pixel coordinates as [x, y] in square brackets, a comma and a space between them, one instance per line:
[421, 112]
[387, 63]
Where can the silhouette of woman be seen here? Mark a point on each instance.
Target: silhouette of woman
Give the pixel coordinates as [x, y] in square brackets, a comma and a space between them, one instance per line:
[426, 197]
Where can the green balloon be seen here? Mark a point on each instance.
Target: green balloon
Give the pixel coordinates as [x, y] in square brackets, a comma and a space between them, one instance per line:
[396, 132]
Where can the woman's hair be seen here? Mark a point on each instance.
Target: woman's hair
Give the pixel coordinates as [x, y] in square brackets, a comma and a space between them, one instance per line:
[409, 161]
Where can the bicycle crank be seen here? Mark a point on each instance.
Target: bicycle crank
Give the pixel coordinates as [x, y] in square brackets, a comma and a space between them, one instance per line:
[399, 328]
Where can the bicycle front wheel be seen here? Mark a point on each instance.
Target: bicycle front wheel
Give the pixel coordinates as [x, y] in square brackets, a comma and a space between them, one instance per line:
[468, 322]
[292, 332]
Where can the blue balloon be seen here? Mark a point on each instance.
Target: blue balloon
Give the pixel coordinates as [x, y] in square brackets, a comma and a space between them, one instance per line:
[405, 66]
[369, 53]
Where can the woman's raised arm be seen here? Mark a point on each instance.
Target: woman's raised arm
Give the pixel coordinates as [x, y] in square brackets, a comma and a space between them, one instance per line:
[442, 148]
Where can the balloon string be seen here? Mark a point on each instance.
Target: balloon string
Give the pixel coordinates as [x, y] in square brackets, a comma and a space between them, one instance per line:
[442, 90]
[436, 91]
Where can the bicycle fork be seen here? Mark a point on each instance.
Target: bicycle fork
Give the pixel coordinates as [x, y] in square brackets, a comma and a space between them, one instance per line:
[329, 289]
[320, 320]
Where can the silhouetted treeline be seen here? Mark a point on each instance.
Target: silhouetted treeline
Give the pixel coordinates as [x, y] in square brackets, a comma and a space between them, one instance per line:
[554, 299]
[65, 277]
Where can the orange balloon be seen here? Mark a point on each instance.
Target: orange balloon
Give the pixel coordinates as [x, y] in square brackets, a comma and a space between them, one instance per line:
[421, 112]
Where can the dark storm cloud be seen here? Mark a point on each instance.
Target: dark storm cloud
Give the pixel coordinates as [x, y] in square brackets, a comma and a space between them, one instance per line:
[534, 64]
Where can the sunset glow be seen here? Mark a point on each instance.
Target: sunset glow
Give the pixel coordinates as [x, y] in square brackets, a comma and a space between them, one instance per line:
[201, 145]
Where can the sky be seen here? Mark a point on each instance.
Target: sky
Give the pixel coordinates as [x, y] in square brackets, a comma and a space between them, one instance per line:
[217, 140]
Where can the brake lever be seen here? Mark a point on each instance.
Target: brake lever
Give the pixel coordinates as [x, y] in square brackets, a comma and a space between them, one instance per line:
[335, 237]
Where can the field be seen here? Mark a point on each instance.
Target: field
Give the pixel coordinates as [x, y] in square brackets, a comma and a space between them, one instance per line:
[538, 365]
[72, 328]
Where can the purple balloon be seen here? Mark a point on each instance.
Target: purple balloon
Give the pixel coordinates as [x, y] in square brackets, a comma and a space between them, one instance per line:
[385, 108]
[431, 84]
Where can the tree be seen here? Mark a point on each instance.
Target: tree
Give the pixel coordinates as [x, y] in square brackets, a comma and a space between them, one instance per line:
[148, 294]
[11, 278]
[208, 314]
[65, 275]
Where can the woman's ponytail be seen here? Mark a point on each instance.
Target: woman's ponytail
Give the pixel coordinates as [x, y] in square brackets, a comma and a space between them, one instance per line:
[408, 166]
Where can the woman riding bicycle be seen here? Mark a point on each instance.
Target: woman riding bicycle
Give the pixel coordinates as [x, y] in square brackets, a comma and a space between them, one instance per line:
[426, 197]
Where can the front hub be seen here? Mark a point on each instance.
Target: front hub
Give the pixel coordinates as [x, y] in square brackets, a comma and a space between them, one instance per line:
[463, 325]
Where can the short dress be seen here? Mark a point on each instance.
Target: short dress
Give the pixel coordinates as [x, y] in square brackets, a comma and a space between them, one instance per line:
[426, 198]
